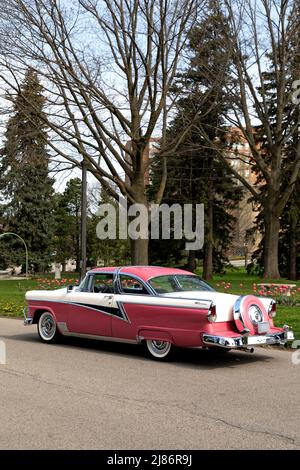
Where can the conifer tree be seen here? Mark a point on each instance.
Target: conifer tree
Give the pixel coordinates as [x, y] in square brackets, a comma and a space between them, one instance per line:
[25, 185]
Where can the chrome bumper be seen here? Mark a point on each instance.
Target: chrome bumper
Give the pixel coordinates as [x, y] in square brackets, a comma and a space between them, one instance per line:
[27, 320]
[245, 341]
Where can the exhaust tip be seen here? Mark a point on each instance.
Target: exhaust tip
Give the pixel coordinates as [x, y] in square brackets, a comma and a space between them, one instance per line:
[249, 350]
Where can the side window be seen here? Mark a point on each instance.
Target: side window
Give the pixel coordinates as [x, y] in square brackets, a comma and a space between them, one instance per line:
[100, 283]
[130, 285]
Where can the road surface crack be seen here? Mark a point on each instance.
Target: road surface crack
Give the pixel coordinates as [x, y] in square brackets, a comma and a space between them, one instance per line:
[208, 416]
[143, 402]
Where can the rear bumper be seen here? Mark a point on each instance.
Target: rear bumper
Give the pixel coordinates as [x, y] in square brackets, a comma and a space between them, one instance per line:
[240, 342]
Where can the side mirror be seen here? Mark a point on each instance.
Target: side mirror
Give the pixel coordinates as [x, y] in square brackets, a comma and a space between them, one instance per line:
[69, 288]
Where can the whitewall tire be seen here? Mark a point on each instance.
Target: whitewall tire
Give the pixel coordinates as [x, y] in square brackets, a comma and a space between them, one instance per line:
[47, 328]
[159, 350]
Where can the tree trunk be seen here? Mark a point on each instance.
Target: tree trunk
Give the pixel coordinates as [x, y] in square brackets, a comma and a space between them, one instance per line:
[246, 257]
[139, 247]
[293, 254]
[139, 252]
[191, 265]
[208, 261]
[271, 239]
[208, 247]
[77, 267]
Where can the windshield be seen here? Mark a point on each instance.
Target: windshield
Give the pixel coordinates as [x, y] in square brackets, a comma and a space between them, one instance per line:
[178, 283]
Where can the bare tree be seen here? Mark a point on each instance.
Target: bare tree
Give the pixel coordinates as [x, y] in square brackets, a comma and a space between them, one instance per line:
[107, 67]
[271, 25]
[259, 41]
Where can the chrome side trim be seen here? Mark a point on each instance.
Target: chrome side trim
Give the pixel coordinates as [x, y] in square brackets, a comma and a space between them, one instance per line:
[63, 327]
[190, 307]
[201, 302]
[101, 338]
[99, 310]
[89, 307]
[123, 311]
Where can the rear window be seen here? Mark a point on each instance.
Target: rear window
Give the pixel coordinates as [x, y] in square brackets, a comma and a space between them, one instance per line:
[179, 283]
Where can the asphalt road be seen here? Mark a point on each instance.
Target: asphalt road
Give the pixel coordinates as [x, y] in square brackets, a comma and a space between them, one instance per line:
[98, 395]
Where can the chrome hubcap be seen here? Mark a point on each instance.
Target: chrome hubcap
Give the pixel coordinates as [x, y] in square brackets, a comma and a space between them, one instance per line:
[255, 314]
[47, 327]
[159, 348]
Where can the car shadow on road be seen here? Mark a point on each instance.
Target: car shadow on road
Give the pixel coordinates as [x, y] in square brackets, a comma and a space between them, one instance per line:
[192, 357]
[205, 359]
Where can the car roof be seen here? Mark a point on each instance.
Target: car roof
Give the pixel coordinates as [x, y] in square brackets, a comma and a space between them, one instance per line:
[143, 272]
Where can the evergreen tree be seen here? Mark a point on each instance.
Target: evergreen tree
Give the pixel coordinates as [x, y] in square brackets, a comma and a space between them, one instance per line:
[24, 176]
[67, 224]
[4, 246]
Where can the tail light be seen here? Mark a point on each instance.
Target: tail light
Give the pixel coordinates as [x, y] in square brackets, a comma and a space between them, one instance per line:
[272, 309]
[212, 313]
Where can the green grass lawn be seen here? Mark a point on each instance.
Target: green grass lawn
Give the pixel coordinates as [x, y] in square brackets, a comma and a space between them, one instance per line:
[235, 281]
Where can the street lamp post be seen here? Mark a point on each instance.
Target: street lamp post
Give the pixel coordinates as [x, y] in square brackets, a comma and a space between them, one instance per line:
[23, 241]
[83, 220]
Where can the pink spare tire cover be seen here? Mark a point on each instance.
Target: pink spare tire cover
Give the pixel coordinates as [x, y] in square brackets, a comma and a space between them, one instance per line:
[249, 312]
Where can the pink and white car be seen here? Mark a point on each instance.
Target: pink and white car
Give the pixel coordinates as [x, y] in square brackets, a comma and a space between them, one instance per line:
[161, 308]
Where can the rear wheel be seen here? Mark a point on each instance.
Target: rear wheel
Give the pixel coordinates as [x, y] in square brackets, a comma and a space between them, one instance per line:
[47, 328]
[158, 349]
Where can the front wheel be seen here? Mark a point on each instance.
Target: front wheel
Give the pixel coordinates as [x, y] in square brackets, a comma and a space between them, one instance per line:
[159, 350]
[47, 328]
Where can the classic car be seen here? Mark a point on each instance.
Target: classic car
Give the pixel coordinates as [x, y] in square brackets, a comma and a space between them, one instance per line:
[161, 308]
